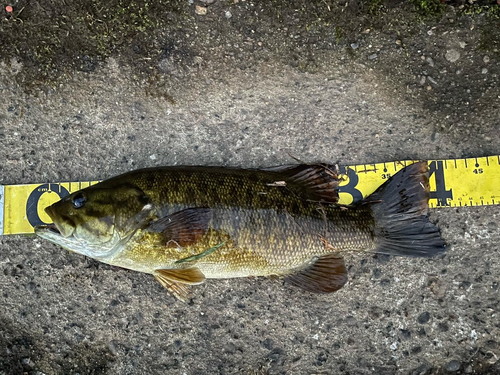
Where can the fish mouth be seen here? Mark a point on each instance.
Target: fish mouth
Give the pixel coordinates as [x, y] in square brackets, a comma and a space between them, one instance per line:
[50, 229]
[54, 229]
[61, 224]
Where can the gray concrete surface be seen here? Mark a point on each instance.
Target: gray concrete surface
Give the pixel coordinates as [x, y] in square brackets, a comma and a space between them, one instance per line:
[248, 88]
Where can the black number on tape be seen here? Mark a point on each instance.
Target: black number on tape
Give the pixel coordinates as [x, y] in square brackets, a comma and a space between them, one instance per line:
[350, 188]
[441, 194]
[36, 194]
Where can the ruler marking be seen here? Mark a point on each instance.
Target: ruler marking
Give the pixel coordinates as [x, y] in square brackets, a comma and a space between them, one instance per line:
[2, 203]
[481, 191]
[477, 163]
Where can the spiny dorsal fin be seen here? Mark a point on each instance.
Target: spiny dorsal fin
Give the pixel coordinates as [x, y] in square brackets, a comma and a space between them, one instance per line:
[326, 275]
[183, 228]
[177, 281]
[313, 182]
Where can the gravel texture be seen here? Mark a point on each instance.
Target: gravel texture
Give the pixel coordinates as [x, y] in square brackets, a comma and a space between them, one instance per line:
[248, 84]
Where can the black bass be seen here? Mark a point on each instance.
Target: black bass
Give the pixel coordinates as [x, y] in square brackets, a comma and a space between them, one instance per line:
[186, 224]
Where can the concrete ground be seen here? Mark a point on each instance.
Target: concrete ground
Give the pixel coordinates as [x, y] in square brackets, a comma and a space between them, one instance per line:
[90, 89]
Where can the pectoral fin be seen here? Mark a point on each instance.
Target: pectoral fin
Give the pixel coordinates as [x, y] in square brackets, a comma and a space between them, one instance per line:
[182, 228]
[326, 274]
[177, 281]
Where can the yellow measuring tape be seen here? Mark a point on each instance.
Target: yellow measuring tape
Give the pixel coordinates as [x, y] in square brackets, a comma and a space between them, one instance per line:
[454, 183]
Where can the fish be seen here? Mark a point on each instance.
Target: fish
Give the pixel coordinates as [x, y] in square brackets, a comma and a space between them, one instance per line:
[185, 225]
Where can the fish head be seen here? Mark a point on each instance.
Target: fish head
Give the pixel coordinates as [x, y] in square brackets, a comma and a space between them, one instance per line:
[96, 220]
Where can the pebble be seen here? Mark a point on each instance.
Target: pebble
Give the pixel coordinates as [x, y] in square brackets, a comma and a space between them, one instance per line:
[452, 55]
[268, 343]
[354, 45]
[492, 226]
[452, 366]
[484, 71]
[208, 1]
[424, 369]
[424, 317]
[430, 61]
[228, 14]
[432, 80]
[201, 11]
[372, 57]
[152, 157]
[486, 59]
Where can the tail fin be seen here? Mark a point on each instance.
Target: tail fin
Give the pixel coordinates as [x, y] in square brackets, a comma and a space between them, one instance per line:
[399, 208]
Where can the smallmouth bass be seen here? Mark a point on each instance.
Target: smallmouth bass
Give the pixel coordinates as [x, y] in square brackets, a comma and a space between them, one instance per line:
[187, 224]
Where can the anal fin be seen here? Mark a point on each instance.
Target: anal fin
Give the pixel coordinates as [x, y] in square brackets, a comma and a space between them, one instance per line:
[177, 281]
[326, 274]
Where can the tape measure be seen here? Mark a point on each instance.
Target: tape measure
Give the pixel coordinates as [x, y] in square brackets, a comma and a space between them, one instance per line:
[454, 183]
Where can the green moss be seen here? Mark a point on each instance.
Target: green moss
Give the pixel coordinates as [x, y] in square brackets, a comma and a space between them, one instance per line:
[494, 11]
[339, 33]
[375, 6]
[56, 37]
[429, 8]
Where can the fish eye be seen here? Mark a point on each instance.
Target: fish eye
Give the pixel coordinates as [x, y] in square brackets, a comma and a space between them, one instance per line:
[79, 200]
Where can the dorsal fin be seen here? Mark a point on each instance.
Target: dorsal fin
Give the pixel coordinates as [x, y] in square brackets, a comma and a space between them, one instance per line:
[326, 274]
[313, 182]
